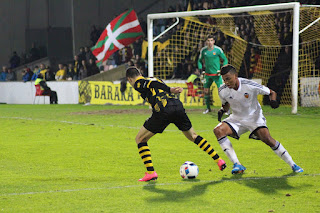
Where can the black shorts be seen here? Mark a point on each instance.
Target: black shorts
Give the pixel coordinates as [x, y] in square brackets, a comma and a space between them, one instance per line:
[172, 113]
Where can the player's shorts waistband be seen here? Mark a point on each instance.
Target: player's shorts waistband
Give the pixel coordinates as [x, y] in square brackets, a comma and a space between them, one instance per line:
[211, 74]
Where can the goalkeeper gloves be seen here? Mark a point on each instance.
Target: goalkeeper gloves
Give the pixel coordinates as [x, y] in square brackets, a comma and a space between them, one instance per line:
[220, 114]
[274, 104]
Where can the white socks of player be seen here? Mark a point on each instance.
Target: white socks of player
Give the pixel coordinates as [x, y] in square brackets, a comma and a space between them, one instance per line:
[228, 149]
[283, 153]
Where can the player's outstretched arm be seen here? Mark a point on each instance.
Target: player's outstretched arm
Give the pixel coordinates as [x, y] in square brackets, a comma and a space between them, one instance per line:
[273, 99]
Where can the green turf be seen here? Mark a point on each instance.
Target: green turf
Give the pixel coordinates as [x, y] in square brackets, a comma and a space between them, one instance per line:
[74, 158]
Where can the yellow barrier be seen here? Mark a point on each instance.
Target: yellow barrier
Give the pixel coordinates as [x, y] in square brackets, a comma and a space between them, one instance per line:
[104, 92]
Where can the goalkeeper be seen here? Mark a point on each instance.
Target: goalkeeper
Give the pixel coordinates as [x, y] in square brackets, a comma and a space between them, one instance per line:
[211, 54]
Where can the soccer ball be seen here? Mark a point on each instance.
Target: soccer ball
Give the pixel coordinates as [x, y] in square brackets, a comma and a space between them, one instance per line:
[189, 170]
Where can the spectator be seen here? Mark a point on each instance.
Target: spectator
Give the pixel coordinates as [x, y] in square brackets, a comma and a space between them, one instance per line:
[43, 69]
[61, 73]
[76, 66]
[94, 35]
[128, 53]
[88, 54]
[287, 36]
[82, 54]
[14, 60]
[137, 48]
[26, 74]
[83, 70]
[3, 76]
[92, 68]
[11, 75]
[36, 71]
[117, 57]
[50, 76]
[70, 72]
[34, 53]
[46, 90]
[255, 64]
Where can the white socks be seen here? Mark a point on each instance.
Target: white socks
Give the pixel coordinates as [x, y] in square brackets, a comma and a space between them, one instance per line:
[228, 149]
[278, 149]
[283, 153]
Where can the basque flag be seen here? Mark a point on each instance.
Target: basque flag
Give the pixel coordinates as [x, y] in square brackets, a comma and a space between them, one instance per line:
[121, 31]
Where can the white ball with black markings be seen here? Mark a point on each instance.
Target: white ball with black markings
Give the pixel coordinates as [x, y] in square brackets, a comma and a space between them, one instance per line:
[189, 170]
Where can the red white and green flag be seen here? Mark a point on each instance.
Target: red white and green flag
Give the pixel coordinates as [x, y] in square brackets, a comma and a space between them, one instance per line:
[120, 32]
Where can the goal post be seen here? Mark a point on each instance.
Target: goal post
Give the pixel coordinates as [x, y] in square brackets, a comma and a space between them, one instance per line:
[241, 43]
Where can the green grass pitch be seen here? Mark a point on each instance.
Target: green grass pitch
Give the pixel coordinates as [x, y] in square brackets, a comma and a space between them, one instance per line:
[74, 158]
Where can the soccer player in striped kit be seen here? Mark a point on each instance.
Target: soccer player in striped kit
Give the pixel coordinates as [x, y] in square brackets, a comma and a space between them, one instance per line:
[166, 109]
[240, 95]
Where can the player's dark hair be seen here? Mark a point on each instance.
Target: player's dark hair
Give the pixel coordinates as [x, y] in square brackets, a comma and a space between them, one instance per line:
[132, 72]
[210, 36]
[228, 68]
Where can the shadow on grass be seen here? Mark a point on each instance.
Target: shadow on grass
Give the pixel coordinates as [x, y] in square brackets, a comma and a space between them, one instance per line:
[266, 185]
[169, 195]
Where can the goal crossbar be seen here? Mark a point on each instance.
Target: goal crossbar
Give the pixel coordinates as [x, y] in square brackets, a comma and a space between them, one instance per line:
[295, 6]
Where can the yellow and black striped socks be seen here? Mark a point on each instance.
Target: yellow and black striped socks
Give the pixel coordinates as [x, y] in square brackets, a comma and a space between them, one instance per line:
[145, 155]
[205, 146]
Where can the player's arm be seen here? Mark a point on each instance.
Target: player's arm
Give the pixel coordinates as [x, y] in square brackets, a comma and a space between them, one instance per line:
[225, 108]
[200, 61]
[160, 85]
[273, 99]
[223, 57]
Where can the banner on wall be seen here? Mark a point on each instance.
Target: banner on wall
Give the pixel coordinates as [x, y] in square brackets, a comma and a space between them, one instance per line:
[104, 92]
[310, 92]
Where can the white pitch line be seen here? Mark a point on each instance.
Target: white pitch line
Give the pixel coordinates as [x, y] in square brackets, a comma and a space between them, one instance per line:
[160, 184]
[89, 124]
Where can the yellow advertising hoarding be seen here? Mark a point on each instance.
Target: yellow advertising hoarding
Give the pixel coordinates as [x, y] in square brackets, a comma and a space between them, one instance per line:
[104, 92]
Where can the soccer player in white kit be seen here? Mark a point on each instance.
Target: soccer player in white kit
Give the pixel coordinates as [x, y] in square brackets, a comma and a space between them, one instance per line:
[240, 95]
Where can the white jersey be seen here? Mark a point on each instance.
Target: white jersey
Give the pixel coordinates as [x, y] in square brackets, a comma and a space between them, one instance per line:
[244, 102]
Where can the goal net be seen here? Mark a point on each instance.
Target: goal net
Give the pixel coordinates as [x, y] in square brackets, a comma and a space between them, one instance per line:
[258, 42]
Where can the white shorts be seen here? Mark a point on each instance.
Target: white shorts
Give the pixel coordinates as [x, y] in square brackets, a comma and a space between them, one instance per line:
[240, 127]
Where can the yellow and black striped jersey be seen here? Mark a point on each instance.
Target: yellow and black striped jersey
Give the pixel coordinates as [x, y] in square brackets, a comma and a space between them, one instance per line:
[154, 91]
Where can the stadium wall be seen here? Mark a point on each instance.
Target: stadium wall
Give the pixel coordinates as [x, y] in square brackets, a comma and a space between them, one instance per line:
[24, 93]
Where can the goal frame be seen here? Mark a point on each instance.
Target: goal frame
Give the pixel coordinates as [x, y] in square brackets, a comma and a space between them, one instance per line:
[295, 6]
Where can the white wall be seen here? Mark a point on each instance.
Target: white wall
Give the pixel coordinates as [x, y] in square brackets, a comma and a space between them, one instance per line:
[23, 93]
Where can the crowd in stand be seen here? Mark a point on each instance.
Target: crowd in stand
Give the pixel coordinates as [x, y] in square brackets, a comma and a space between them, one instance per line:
[84, 64]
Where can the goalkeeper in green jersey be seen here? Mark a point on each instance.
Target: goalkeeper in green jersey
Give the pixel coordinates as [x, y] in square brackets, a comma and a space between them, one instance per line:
[211, 54]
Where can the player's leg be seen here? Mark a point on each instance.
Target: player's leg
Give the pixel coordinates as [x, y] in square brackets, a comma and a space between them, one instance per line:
[153, 125]
[179, 117]
[205, 146]
[206, 89]
[221, 131]
[276, 146]
[142, 141]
